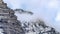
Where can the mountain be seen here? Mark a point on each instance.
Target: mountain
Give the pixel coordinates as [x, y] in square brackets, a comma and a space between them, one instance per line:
[10, 25]
[8, 21]
[38, 27]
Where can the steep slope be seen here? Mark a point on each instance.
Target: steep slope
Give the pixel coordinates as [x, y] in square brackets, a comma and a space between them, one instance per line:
[8, 21]
[36, 26]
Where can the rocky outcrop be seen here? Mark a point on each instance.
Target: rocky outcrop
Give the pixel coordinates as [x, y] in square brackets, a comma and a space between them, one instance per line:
[21, 11]
[38, 27]
[8, 21]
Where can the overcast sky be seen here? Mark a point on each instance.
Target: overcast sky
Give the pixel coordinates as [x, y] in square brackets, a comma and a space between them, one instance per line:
[48, 10]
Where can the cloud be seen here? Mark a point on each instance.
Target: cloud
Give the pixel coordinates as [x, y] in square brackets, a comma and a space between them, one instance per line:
[58, 16]
[53, 4]
[13, 3]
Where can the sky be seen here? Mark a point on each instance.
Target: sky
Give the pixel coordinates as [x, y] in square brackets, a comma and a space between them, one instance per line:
[48, 10]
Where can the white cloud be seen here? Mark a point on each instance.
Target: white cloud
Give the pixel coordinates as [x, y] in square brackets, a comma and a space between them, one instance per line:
[58, 17]
[57, 21]
[53, 4]
[14, 3]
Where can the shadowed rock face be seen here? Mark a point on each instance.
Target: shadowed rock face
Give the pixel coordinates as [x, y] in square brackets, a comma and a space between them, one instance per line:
[8, 21]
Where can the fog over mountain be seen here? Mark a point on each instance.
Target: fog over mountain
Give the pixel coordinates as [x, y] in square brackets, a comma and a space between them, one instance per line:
[44, 9]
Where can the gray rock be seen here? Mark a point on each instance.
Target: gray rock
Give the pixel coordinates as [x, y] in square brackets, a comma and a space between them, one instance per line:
[8, 21]
[38, 27]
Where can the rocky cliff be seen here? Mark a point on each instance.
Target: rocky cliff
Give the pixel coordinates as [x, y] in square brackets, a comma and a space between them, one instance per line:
[38, 27]
[8, 21]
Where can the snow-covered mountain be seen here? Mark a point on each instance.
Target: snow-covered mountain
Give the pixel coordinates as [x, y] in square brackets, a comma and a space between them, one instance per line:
[33, 26]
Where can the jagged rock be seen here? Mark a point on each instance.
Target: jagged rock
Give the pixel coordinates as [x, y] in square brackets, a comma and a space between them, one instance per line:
[8, 21]
[2, 4]
[38, 27]
[21, 11]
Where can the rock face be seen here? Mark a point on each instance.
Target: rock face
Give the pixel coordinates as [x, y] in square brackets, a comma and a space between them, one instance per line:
[8, 21]
[38, 27]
